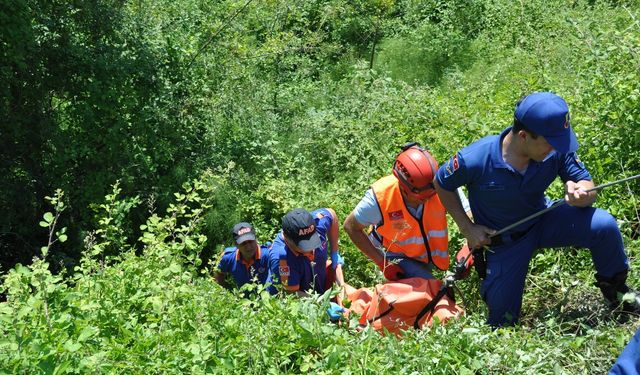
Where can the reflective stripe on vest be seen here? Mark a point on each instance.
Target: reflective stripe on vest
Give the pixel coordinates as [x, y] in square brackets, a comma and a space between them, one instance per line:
[402, 233]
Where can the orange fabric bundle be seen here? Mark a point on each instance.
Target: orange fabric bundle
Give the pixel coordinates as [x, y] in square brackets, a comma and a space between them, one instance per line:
[396, 305]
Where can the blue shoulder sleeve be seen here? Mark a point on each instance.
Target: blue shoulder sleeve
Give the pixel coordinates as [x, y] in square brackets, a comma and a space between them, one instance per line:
[226, 262]
[367, 211]
[454, 173]
[572, 169]
[323, 220]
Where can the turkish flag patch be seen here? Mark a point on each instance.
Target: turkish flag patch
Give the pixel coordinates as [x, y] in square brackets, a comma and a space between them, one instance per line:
[456, 163]
[452, 165]
[396, 215]
[284, 271]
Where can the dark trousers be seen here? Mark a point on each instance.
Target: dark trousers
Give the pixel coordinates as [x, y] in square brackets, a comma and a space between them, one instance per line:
[507, 264]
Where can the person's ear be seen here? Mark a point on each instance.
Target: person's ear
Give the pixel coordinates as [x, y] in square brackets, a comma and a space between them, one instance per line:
[523, 135]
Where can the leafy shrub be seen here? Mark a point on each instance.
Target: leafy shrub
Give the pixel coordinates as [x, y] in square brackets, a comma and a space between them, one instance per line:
[155, 312]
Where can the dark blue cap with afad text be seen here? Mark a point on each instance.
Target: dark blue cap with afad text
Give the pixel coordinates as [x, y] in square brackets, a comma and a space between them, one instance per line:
[243, 232]
[547, 114]
[298, 226]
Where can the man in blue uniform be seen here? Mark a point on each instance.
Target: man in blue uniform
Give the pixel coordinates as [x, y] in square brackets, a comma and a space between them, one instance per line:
[246, 262]
[299, 257]
[506, 177]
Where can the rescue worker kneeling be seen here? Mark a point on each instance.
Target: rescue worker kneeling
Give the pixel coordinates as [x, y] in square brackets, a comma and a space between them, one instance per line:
[408, 219]
[507, 176]
[246, 262]
[304, 257]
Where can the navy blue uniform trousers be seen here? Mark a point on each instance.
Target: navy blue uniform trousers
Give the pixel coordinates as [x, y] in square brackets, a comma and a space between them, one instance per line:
[629, 361]
[507, 264]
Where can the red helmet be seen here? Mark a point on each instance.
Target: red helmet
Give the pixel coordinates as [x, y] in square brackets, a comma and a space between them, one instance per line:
[415, 168]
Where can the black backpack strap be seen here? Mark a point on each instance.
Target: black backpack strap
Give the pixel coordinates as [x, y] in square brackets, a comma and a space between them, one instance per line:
[430, 306]
[381, 315]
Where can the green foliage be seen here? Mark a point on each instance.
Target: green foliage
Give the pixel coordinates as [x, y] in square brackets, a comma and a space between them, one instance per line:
[280, 100]
[82, 316]
[155, 313]
[112, 227]
[50, 220]
[435, 39]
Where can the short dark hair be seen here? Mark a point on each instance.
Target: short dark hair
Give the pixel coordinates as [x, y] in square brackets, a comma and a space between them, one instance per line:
[517, 126]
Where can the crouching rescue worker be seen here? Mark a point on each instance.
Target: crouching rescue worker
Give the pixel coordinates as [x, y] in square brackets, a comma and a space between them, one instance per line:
[246, 262]
[304, 257]
[409, 235]
[506, 176]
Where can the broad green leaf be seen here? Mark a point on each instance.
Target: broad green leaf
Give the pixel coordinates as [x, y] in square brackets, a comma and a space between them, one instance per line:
[87, 332]
[62, 368]
[48, 217]
[71, 346]
[175, 268]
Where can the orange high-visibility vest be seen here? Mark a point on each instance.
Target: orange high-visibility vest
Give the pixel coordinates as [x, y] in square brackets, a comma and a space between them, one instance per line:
[424, 240]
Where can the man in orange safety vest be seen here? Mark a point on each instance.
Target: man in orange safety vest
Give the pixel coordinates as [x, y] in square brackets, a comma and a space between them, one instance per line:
[409, 235]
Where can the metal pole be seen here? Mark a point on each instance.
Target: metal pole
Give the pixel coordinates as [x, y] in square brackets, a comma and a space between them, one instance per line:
[559, 203]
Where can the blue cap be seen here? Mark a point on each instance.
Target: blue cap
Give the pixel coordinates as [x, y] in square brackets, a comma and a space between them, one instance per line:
[243, 232]
[547, 114]
[300, 227]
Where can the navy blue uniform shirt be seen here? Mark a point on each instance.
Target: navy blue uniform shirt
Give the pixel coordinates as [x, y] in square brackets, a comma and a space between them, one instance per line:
[498, 194]
[242, 272]
[304, 271]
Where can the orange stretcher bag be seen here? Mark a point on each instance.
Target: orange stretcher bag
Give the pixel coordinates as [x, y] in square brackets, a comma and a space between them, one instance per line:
[399, 305]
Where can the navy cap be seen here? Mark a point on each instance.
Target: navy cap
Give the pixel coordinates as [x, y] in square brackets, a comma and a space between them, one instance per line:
[243, 232]
[298, 225]
[547, 114]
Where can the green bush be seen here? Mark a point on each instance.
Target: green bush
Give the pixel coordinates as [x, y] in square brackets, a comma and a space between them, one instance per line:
[155, 312]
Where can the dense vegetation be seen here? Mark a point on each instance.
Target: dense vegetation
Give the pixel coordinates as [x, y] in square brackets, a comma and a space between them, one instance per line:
[164, 122]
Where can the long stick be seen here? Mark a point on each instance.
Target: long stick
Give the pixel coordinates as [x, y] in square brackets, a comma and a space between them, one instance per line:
[559, 203]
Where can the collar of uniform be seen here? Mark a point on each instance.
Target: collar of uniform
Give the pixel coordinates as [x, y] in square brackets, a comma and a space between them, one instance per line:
[496, 150]
[257, 256]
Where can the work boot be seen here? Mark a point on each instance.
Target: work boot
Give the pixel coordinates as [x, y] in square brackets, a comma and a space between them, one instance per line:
[618, 294]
